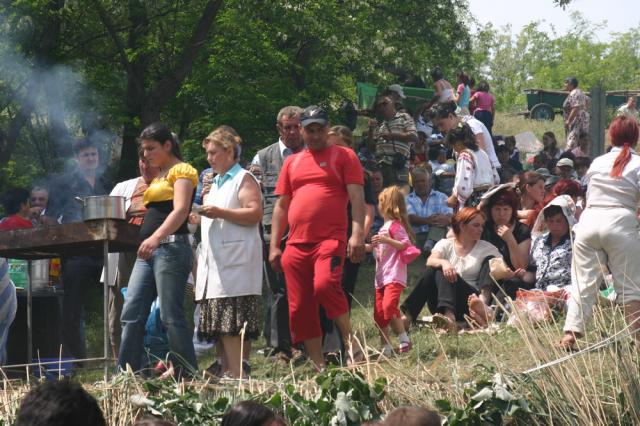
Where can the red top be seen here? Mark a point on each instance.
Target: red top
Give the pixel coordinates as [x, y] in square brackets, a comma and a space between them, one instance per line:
[317, 183]
[15, 222]
[484, 101]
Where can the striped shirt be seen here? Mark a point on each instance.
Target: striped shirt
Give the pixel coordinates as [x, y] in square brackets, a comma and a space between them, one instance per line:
[401, 123]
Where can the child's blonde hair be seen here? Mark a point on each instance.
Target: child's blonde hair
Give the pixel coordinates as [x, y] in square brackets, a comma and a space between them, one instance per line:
[393, 206]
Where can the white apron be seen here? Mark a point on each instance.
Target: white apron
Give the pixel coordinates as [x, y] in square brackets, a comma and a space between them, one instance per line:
[230, 255]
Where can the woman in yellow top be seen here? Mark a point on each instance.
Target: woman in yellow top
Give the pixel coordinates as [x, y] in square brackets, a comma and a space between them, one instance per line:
[164, 257]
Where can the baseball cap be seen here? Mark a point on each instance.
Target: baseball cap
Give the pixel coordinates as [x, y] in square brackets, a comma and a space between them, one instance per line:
[550, 181]
[398, 89]
[544, 172]
[565, 162]
[314, 114]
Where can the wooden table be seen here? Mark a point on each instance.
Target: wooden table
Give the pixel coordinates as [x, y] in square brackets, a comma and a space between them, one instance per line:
[91, 238]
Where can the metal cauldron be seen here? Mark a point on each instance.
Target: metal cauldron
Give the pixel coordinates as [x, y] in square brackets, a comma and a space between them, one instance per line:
[102, 207]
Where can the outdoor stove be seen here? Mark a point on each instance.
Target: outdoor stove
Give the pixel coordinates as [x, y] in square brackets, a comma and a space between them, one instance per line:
[91, 238]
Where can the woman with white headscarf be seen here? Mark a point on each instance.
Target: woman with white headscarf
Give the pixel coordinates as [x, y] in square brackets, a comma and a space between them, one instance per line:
[550, 254]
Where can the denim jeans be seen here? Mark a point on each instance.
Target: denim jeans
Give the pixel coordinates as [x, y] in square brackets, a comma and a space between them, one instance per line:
[165, 275]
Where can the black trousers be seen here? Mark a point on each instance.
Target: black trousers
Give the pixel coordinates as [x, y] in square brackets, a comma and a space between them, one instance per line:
[434, 290]
[78, 273]
[276, 325]
[332, 339]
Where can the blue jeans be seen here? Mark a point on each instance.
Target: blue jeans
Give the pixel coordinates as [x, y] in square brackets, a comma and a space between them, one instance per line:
[165, 275]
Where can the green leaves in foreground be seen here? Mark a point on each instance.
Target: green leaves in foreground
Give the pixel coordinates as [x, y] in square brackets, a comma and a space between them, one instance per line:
[345, 398]
[182, 404]
[489, 402]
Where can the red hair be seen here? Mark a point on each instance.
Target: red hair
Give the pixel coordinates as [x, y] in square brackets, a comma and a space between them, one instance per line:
[464, 216]
[623, 132]
[567, 187]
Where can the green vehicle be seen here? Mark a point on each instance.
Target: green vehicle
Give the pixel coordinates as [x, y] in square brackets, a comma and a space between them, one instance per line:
[415, 96]
[544, 104]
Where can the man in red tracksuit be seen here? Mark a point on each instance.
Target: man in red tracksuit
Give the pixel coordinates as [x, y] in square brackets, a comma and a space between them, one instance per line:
[314, 188]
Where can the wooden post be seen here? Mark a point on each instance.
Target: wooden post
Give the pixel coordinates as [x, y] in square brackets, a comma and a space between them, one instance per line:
[598, 123]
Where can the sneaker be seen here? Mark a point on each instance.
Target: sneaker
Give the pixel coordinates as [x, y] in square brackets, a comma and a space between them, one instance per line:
[404, 347]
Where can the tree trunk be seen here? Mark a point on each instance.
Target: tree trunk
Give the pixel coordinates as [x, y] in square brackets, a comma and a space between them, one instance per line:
[147, 106]
[136, 75]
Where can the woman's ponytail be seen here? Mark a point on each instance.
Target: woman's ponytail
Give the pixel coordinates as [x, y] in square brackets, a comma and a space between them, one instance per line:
[621, 161]
[623, 132]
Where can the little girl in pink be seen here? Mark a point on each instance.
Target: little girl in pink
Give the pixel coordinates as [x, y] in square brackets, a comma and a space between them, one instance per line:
[393, 249]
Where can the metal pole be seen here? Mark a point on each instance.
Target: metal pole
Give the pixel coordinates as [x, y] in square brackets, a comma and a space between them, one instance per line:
[105, 307]
[29, 320]
[597, 123]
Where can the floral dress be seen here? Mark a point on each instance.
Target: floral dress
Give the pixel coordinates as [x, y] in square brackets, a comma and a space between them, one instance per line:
[576, 99]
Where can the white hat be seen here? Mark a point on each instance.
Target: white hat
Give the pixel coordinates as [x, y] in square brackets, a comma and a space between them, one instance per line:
[565, 162]
[568, 209]
[398, 89]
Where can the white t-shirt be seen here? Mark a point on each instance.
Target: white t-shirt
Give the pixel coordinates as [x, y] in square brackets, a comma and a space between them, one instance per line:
[468, 267]
[477, 127]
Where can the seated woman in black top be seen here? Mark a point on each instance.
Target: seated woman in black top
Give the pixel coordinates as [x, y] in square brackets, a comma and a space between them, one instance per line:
[510, 236]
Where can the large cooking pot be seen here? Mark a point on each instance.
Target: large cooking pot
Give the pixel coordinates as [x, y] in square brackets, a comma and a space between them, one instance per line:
[102, 207]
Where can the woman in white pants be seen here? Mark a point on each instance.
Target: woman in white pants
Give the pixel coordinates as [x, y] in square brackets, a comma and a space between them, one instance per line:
[607, 234]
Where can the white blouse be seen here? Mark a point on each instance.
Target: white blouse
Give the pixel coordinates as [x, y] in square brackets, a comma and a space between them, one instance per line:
[606, 191]
[468, 267]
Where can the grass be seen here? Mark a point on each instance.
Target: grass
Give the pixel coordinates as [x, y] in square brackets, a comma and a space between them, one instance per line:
[507, 124]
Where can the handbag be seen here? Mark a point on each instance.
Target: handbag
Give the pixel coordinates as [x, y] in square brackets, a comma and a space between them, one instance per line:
[409, 253]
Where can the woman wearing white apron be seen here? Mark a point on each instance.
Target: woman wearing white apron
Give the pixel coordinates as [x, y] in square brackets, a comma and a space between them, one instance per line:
[229, 277]
[607, 234]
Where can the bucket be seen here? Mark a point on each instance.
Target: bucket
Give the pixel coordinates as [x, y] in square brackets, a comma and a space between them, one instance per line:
[18, 272]
[61, 367]
[39, 274]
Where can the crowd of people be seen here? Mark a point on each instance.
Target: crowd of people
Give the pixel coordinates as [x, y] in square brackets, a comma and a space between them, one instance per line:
[301, 216]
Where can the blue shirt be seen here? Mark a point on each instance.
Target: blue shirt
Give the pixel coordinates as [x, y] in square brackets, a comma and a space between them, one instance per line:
[436, 204]
[230, 174]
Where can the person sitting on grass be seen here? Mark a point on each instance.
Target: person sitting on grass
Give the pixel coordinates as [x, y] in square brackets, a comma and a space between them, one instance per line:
[511, 237]
[550, 257]
[456, 282]
[427, 210]
[394, 248]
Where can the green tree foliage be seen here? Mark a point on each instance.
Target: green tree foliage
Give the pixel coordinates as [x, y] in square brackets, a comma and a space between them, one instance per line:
[200, 64]
[537, 58]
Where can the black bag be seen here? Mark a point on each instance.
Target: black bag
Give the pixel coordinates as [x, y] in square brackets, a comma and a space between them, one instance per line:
[398, 161]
